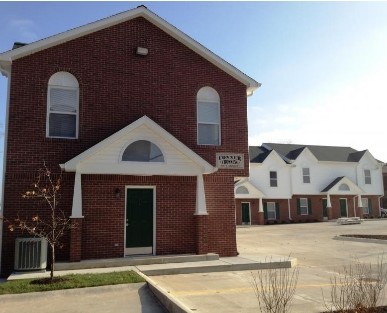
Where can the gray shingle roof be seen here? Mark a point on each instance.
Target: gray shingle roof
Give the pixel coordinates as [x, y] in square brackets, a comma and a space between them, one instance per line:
[258, 154]
[322, 153]
[334, 182]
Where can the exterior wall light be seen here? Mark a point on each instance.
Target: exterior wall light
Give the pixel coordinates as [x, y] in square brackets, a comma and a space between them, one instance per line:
[142, 51]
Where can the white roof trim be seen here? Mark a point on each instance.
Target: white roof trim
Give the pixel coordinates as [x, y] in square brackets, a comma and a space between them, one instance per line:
[254, 192]
[354, 189]
[71, 165]
[9, 56]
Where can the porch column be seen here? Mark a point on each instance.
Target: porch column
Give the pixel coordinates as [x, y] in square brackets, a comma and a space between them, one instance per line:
[76, 221]
[76, 240]
[201, 208]
[261, 218]
[359, 210]
[201, 217]
[329, 207]
[76, 211]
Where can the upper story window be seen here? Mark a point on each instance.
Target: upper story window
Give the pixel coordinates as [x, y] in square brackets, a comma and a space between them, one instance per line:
[143, 151]
[306, 175]
[62, 106]
[208, 116]
[367, 177]
[273, 179]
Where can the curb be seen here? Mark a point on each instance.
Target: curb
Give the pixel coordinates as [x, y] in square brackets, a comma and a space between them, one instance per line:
[171, 304]
[365, 240]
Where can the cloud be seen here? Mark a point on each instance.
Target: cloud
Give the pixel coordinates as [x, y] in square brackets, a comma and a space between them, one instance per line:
[25, 29]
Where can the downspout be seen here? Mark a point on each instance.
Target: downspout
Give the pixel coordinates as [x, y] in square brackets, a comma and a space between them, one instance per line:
[7, 74]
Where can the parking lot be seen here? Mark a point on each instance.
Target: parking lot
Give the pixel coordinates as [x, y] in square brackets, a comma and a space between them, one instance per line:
[319, 255]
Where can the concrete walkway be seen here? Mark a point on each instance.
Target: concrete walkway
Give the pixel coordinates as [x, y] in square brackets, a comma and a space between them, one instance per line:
[108, 299]
[116, 298]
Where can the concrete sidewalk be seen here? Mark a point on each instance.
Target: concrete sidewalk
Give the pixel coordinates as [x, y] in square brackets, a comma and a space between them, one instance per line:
[60, 299]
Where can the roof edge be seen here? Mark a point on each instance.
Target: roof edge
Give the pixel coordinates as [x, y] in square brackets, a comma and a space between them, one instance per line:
[141, 11]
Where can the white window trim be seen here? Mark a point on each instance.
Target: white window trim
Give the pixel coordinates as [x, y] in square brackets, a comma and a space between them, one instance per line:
[302, 206]
[61, 112]
[275, 211]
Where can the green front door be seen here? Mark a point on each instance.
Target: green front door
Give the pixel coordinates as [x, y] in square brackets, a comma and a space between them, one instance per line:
[325, 210]
[245, 213]
[343, 208]
[139, 221]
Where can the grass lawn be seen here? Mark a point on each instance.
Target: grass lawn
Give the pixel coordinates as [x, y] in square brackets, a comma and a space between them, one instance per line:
[70, 281]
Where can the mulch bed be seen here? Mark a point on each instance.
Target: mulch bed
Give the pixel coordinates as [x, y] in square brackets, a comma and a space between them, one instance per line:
[380, 237]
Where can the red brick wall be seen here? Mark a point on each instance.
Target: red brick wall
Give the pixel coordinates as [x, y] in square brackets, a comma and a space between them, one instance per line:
[316, 204]
[116, 88]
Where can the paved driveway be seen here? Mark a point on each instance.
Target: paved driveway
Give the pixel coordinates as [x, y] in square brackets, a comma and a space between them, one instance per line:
[319, 258]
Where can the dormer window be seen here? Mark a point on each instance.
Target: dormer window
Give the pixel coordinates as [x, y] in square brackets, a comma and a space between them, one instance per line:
[208, 116]
[273, 179]
[143, 151]
[306, 175]
[62, 106]
[367, 177]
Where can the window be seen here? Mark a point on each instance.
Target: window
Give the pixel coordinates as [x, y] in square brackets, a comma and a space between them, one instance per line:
[242, 190]
[271, 211]
[143, 151]
[367, 206]
[367, 177]
[306, 175]
[62, 106]
[273, 179]
[364, 202]
[208, 116]
[304, 207]
[344, 187]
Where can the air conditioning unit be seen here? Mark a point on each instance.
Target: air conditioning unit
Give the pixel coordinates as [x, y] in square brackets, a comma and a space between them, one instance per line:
[30, 254]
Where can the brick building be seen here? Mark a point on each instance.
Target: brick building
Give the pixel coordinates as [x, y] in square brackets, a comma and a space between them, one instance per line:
[136, 114]
[301, 183]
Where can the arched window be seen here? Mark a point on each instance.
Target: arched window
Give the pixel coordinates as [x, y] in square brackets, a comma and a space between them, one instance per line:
[62, 106]
[242, 190]
[208, 116]
[344, 187]
[143, 151]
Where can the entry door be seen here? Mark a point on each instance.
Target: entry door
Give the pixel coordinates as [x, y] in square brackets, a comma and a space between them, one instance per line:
[343, 208]
[139, 221]
[246, 213]
[325, 210]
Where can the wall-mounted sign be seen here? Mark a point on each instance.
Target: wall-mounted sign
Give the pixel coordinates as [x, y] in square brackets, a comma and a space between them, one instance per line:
[230, 160]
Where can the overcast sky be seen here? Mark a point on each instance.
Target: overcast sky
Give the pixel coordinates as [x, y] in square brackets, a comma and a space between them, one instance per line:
[322, 65]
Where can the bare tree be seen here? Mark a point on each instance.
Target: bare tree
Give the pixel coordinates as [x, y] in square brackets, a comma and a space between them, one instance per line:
[275, 288]
[50, 225]
[358, 287]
